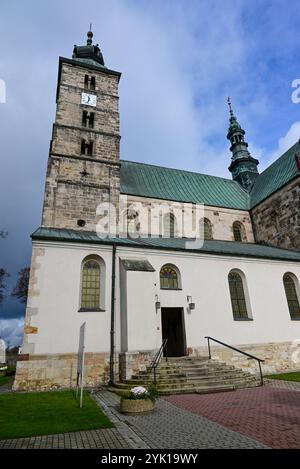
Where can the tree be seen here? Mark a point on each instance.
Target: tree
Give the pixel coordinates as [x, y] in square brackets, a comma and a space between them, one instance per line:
[21, 288]
[3, 286]
[3, 273]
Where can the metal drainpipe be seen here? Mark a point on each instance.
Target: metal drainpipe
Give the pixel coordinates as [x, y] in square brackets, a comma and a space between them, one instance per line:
[112, 317]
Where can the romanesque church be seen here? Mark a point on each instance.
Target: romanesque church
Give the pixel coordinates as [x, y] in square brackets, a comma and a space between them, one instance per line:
[135, 292]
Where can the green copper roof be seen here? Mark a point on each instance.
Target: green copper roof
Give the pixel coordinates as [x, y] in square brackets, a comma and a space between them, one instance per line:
[182, 186]
[146, 180]
[89, 62]
[227, 248]
[279, 173]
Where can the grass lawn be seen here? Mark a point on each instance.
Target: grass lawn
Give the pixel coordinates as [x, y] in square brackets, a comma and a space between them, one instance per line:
[5, 379]
[46, 413]
[295, 376]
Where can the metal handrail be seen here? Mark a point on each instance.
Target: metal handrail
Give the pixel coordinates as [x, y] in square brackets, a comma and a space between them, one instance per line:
[157, 358]
[259, 360]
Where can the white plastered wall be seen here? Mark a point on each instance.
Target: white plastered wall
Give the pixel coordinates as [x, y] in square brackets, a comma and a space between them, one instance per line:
[204, 277]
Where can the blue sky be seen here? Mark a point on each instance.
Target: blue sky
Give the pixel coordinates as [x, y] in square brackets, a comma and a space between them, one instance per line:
[179, 59]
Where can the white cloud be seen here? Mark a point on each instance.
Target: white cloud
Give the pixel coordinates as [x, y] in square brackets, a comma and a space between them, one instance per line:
[289, 139]
[284, 143]
[11, 330]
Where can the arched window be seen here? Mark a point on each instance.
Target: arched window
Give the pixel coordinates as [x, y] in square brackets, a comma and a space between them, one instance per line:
[290, 285]
[133, 225]
[169, 277]
[237, 295]
[169, 225]
[238, 231]
[206, 228]
[92, 284]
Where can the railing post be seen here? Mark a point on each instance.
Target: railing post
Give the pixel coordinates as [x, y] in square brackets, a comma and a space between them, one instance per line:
[261, 375]
[154, 371]
[208, 344]
[166, 349]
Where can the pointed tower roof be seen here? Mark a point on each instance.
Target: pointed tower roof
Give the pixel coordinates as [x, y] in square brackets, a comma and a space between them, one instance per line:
[89, 54]
[233, 122]
[243, 166]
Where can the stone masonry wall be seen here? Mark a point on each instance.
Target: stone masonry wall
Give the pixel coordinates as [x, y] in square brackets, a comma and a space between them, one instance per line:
[277, 219]
[68, 199]
[277, 356]
[221, 219]
[41, 372]
[130, 363]
[54, 371]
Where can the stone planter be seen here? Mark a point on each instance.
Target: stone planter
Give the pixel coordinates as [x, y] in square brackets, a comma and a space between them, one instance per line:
[136, 406]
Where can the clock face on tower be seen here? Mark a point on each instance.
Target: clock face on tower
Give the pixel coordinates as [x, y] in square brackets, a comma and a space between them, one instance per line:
[89, 99]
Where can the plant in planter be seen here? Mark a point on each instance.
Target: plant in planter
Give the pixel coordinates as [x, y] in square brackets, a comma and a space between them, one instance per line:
[139, 400]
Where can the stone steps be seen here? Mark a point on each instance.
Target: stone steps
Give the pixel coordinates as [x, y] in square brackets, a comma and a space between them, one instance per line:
[191, 375]
[183, 378]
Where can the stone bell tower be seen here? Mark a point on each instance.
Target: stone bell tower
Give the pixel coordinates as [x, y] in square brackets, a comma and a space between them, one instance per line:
[84, 159]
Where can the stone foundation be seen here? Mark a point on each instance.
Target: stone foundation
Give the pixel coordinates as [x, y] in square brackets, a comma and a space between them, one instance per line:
[42, 372]
[131, 363]
[278, 356]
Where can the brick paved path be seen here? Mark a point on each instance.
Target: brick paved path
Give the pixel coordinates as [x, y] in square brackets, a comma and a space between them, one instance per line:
[270, 414]
[92, 439]
[172, 427]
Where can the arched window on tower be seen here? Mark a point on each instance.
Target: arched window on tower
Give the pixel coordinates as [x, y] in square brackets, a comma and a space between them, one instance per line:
[291, 286]
[238, 232]
[170, 277]
[92, 284]
[238, 292]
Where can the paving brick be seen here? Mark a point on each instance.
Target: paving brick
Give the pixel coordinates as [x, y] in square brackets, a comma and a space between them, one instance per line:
[269, 414]
[170, 427]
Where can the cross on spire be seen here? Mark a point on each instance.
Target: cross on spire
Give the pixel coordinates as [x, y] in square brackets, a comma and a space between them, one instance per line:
[230, 106]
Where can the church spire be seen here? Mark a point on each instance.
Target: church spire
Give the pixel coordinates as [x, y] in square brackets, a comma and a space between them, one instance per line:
[243, 166]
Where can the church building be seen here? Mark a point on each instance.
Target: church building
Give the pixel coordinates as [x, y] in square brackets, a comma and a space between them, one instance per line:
[112, 250]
